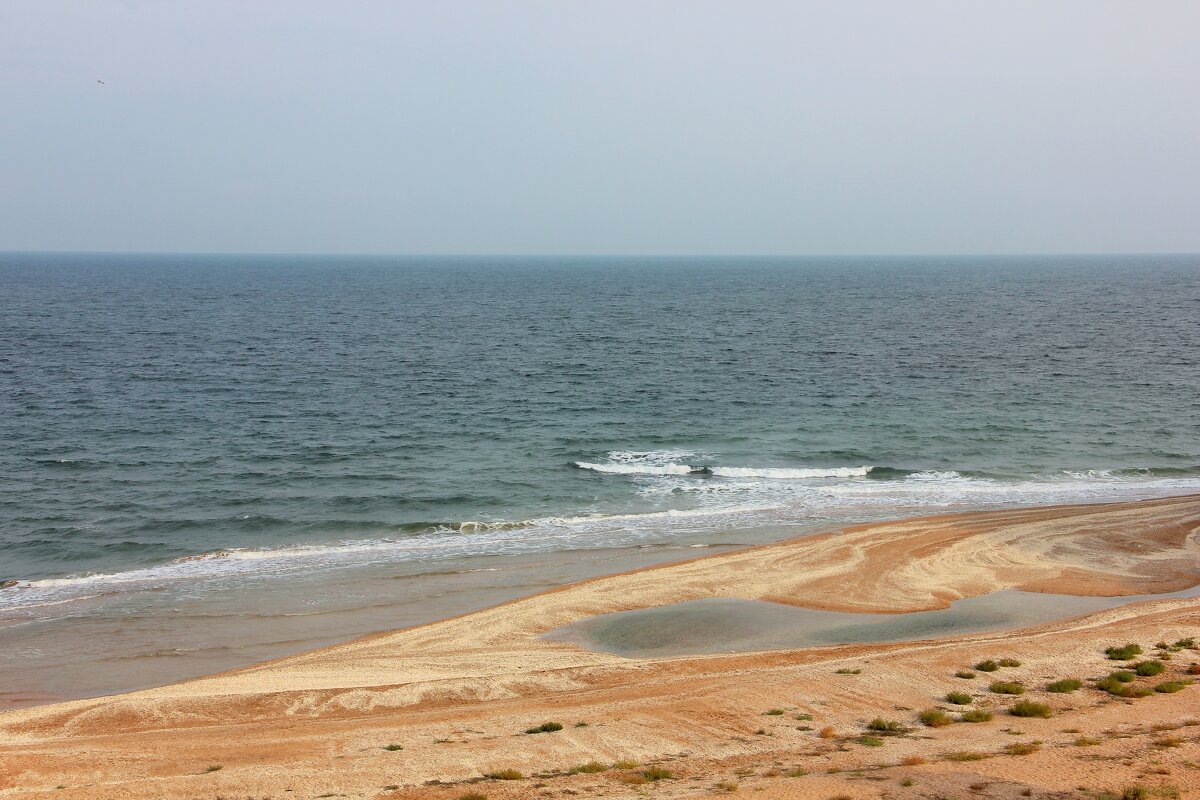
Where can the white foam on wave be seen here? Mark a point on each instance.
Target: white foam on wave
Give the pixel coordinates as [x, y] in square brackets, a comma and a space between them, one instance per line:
[784, 473]
[637, 469]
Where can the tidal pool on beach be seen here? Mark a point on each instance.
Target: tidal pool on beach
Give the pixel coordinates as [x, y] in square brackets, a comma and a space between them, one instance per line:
[731, 625]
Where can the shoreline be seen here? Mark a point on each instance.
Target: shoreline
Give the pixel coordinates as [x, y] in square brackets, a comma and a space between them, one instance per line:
[487, 670]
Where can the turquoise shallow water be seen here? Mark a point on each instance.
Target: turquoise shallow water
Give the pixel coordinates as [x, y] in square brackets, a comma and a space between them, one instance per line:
[209, 460]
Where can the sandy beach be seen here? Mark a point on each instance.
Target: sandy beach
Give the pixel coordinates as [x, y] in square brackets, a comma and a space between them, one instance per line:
[429, 711]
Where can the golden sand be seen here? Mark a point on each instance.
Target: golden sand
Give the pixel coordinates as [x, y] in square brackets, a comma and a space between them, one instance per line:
[458, 694]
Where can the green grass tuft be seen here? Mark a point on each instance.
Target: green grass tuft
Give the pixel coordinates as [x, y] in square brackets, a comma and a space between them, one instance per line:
[1028, 708]
[545, 727]
[1007, 687]
[934, 718]
[505, 775]
[1149, 668]
[965, 674]
[882, 725]
[1170, 687]
[1064, 686]
[589, 767]
[1123, 653]
[976, 715]
[987, 666]
[1009, 662]
[391, 748]
[774, 712]
[1023, 748]
[870, 741]
[656, 773]
[958, 698]
[214, 767]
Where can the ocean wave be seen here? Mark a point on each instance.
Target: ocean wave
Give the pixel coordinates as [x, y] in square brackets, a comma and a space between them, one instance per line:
[777, 473]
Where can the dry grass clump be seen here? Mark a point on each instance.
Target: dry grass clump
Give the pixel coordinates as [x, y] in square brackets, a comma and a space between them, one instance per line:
[1009, 662]
[966, 755]
[625, 763]
[726, 786]
[827, 732]
[796, 772]
[391, 748]
[1170, 687]
[912, 761]
[934, 718]
[505, 775]
[987, 666]
[632, 778]
[958, 698]
[472, 796]
[966, 674]
[1124, 653]
[870, 741]
[881, 725]
[657, 773]
[589, 767]
[214, 768]
[1028, 708]
[1022, 748]
[1086, 741]
[1149, 669]
[976, 715]
[1134, 792]
[545, 727]
[847, 671]
[1194, 669]
[1064, 686]
[1168, 741]
[1007, 687]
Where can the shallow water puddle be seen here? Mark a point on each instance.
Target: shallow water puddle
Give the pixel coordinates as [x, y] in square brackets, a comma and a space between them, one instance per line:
[729, 625]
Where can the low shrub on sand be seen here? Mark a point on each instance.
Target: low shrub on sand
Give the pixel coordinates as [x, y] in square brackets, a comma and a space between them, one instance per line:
[870, 741]
[214, 768]
[966, 674]
[1124, 653]
[966, 755]
[505, 775]
[912, 761]
[987, 666]
[976, 715]
[1023, 748]
[726, 786]
[847, 671]
[774, 712]
[656, 773]
[934, 718]
[1086, 741]
[625, 763]
[589, 767]
[1064, 686]
[545, 727]
[958, 698]
[827, 732]
[1007, 687]
[1170, 687]
[882, 725]
[1194, 669]
[1009, 662]
[1149, 668]
[472, 796]
[391, 748]
[1028, 708]
[796, 772]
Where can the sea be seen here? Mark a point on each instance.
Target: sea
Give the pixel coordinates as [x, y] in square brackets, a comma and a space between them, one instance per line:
[210, 460]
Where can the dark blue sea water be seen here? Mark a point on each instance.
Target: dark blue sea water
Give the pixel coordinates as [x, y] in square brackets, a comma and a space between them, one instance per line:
[281, 413]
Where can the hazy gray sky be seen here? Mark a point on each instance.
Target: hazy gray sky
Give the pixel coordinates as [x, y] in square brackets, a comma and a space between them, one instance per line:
[600, 127]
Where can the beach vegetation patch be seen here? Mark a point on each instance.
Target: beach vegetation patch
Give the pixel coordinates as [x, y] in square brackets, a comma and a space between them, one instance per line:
[581, 724]
[774, 712]
[1170, 687]
[966, 755]
[505, 775]
[391, 748]
[827, 732]
[1124, 653]
[632, 778]
[589, 767]
[976, 715]
[1028, 708]
[870, 741]
[965, 674]
[958, 698]
[881, 725]
[657, 773]
[726, 786]
[1086, 741]
[1149, 668]
[545, 727]
[796, 772]
[912, 761]
[934, 718]
[987, 666]
[214, 768]
[1022, 748]
[625, 763]
[1009, 662]
[804, 717]
[847, 671]
[1168, 741]
[1007, 687]
[1064, 686]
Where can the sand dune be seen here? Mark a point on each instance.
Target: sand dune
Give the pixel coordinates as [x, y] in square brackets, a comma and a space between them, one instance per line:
[457, 694]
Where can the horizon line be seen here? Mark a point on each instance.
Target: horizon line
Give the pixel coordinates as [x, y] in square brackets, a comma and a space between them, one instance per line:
[380, 254]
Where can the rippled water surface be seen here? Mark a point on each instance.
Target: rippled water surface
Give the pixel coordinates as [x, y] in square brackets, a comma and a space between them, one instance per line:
[181, 427]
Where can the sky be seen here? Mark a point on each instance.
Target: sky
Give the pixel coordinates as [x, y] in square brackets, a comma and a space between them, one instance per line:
[597, 127]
